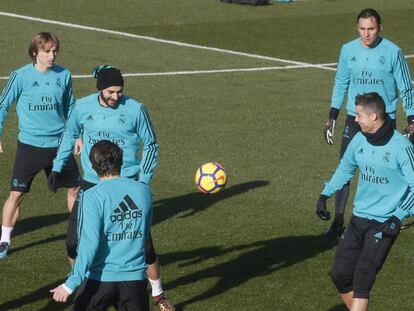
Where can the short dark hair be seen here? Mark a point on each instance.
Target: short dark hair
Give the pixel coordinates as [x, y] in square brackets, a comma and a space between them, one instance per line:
[372, 102]
[40, 40]
[367, 13]
[106, 158]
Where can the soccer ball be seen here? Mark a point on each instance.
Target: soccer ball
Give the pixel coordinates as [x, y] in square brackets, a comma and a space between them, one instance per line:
[210, 178]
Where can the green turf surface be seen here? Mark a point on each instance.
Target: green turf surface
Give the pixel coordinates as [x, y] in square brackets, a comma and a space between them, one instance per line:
[257, 245]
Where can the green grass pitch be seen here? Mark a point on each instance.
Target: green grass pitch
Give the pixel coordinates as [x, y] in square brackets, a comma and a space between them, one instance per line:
[215, 91]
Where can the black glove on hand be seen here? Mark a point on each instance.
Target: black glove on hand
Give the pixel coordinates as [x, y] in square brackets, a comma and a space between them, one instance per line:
[391, 227]
[409, 132]
[321, 210]
[329, 131]
[52, 181]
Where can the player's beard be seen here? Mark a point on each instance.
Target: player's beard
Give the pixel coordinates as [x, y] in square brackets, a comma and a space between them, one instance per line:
[108, 102]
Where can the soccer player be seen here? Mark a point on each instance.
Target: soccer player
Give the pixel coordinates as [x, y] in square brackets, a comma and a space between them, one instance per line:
[384, 198]
[114, 222]
[44, 96]
[369, 63]
[111, 115]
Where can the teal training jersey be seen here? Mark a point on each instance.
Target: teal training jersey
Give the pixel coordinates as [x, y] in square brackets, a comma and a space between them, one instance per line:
[386, 177]
[43, 101]
[114, 220]
[128, 125]
[382, 69]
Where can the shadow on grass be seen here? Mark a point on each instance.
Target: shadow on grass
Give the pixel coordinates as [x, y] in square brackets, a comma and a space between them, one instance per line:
[340, 307]
[191, 203]
[44, 241]
[40, 294]
[255, 259]
[30, 224]
[197, 202]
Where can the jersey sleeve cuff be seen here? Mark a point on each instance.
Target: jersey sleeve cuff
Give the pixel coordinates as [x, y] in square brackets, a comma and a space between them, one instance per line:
[326, 193]
[400, 214]
[57, 167]
[66, 288]
[145, 178]
[333, 113]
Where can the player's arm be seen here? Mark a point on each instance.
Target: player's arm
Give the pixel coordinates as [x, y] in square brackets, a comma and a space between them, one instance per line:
[148, 203]
[391, 227]
[403, 79]
[68, 98]
[10, 94]
[343, 173]
[339, 92]
[406, 206]
[89, 228]
[70, 134]
[66, 147]
[150, 146]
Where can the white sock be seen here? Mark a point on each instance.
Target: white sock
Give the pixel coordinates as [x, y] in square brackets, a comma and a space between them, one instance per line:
[6, 233]
[156, 286]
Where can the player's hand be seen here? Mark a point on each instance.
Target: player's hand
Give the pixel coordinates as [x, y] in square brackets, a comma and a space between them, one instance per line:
[78, 146]
[1, 147]
[52, 181]
[409, 132]
[329, 131]
[60, 294]
[391, 227]
[321, 209]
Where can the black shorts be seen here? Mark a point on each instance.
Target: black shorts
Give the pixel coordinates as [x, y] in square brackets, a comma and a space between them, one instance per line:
[125, 296]
[30, 160]
[360, 254]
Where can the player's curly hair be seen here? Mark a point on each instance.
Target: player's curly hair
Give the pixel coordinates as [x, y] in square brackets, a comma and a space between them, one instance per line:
[106, 158]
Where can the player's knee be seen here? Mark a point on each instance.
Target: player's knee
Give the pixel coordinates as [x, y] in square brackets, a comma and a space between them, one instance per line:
[342, 279]
[16, 196]
[150, 255]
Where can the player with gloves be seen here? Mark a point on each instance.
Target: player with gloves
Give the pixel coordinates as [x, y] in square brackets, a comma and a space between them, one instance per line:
[369, 63]
[384, 198]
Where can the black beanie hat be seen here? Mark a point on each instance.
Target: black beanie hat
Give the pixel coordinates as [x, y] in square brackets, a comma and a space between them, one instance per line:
[107, 76]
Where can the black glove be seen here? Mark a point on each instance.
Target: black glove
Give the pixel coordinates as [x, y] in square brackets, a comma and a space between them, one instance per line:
[321, 210]
[329, 130]
[391, 227]
[409, 132]
[52, 181]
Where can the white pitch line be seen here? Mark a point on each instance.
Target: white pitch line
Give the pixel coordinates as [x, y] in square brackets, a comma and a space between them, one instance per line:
[296, 64]
[195, 72]
[125, 34]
